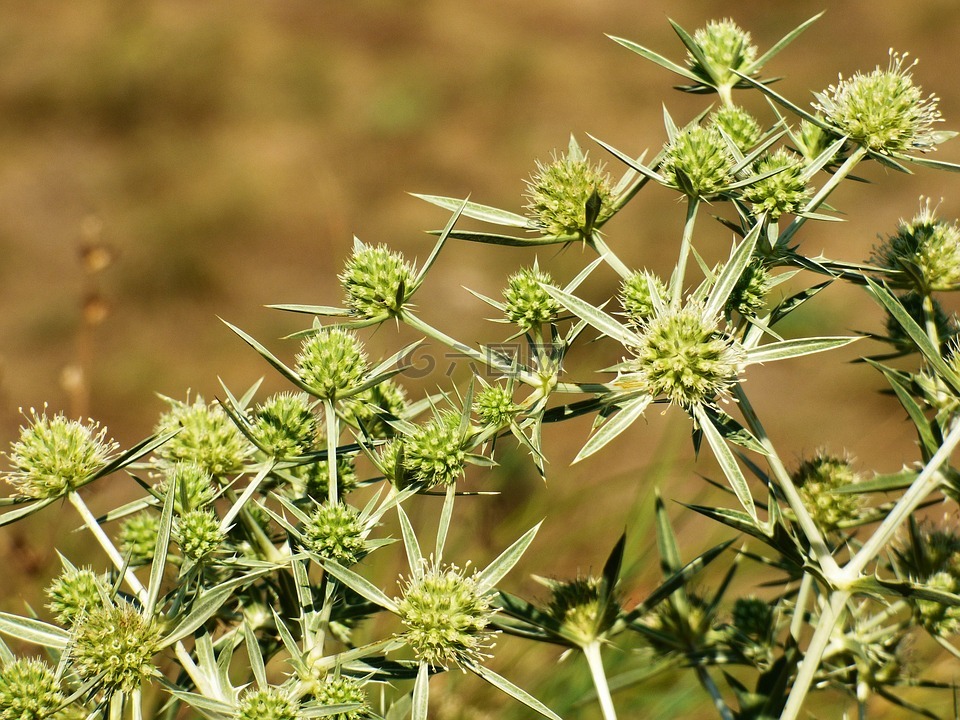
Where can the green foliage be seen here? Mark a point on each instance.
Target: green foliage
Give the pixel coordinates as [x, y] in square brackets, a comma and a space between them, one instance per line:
[256, 519]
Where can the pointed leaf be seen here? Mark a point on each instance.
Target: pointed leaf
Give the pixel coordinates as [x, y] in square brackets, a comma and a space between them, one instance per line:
[421, 693]
[658, 59]
[786, 349]
[727, 461]
[627, 415]
[477, 211]
[593, 315]
[496, 570]
[410, 544]
[360, 585]
[33, 631]
[513, 691]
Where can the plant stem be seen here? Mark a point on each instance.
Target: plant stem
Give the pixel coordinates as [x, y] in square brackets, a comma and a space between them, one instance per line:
[811, 658]
[803, 597]
[676, 281]
[333, 434]
[711, 687]
[592, 652]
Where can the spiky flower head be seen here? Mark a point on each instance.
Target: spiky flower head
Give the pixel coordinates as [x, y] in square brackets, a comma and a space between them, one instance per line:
[198, 534]
[434, 453]
[883, 110]
[205, 435]
[738, 124]
[312, 480]
[725, 47]
[946, 325]
[331, 361]
[138, 537]
[560, 192]
[926, 249]
[343, 690]
[939, 618]
[753, 617]
[115, 643]
[698, 162]
[335, 532]
[636, 294]
[28, 690]
[495, 407]
[681, 354]
[526, 302]
[812, 140]
[750, 293]
[784, 192]
[372, 408]
[285, 425]
[192, 484]
[377, 281]
[73, 592]
[819, 481]
[266, 704]
[446, 616]
[578, 606]
[55, 455]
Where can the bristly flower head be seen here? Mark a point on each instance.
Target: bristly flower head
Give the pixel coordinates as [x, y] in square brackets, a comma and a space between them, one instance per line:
[138, 537]
[526, 302]
[266, 704]
[193, 486]
[335, 532]
[343, 690]
[750, 293]
[446, 616]
[28, 690]
[753, 617]
[205, 435]
[562, 193]
[698, 162]
[434, 453]
[882, 110]
[681, 354]
[636, 293]
[577, 606]
[73, 592]
[927, 249]
[783, 192]
[726, 47]
[55, 455]
[116, 644]
[285, 425]
[495, 407]
[377, 281]
[373, 407]
[819, 481]
[331, 361]
[198, 534]
[739, 125]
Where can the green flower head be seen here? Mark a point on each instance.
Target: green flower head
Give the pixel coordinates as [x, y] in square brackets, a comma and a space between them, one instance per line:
[783, 192]
[312, 480]
[446, 617]
[939, 618]
[526, 302]
[946, 325]
[635, 295]
[343, 690]
[377, 281]
[198, 534]
[882, 110]
[561, 192]
[194, 486]
[266, 704]
[205, 436]
[434, 453]
[926, 249]
[28, 690]
[750, 293]
[335, 532]
[495, 407]
[698, 162]
[285, 425]
[739, 125]
[725, 48]
[682, 355]
[117, 644]
[577, 606]
[138, 537]
[819, 481]
[372, 408]
[753, 617]
[55, 455]
[73, 592]
[331, 361]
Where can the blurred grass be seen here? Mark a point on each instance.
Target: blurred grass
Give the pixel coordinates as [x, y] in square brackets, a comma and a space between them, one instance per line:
[230, 150]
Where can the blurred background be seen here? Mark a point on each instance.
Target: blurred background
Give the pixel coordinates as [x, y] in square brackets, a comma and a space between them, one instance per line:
[168, 163]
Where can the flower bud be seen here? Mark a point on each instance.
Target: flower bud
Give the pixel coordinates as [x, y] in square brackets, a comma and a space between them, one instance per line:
[526, 302]
[331, 361]
[377, 281]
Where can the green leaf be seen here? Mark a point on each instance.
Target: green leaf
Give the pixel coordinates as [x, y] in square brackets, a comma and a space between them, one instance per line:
[20, 513]
[477, 211]
[510, 240]
[786, 349]
[33, 631]
[270, 358]
[360, 585]
[411, 545]
[496, 570]
[163, 542]
[627, 415]
[720, 292]
[728, 463]
[783, 42]
[658, 59]
[512, 690]
[323, 310]
[595, 316]
[421, 693]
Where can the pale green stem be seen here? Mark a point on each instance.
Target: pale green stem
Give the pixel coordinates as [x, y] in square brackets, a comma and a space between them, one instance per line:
[711, 687]
[245, 496]
[929, 320]
[676, 280]
[604, 251]
[726, 94]
[108, 547]
[803, 597]
[811, 658]
[333, 435]
[828, 187]
[926, 482]
[592, 653]
[817, 544]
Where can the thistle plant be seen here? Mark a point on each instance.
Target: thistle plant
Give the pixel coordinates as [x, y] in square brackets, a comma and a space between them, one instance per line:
[255, 572]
